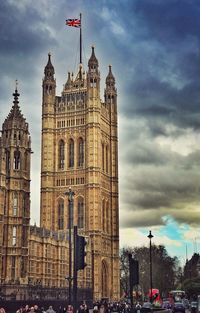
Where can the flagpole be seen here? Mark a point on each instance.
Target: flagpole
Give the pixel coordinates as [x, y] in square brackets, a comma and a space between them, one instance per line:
[80, 41]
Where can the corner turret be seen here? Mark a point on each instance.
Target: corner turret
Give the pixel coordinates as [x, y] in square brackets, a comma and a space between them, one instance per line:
[69, 82]
[49, 70]
[15, 118]
[49, 88]
[110, 93]
[93, 62]
[93, 78]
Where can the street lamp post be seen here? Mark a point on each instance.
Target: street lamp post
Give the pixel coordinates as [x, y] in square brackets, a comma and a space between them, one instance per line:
[70, 195]
[150, 236]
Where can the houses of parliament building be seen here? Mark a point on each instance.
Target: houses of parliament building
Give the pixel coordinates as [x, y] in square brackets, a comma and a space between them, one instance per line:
[79, 150]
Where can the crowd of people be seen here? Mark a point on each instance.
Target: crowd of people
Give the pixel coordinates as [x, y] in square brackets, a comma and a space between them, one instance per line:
[36, 309]
[98, 307]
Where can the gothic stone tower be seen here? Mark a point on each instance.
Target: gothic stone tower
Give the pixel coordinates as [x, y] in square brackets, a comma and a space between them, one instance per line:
[80, 150]
[15, 150]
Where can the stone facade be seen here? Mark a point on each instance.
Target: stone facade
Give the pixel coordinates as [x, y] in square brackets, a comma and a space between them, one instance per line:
[79, 151]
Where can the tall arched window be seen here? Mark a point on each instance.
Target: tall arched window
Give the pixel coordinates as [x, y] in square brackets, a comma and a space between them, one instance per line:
[61, 155]
[14, 236]
[16, 164]
[80, 152]
[61, 214]
[13, 266]
[15, 203]
[102, 156]
[24, 206]
[71, 153]
[7, 161]
[104, 280]
[107, 217]
[80, 213]
[103, 215]
[26, 160]
[107, 159]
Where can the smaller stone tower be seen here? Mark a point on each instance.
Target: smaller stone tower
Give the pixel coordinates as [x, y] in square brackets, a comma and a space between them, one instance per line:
[48, 157]
[15, 150]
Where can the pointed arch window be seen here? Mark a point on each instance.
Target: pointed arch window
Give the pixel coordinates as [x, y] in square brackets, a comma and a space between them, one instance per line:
[24, 241]
[24, 206]
[13, 267]
[106, 159]
[61, 214]
[61, 155]
[23, 268]
[107, 217]
[16, 164]
[102, 156]
[7, 161]
[71, 153]
[15, 204]
[14, 236]
[80, 152]
[80, 213]
[25, 160]
[103, 215]
[104, 280]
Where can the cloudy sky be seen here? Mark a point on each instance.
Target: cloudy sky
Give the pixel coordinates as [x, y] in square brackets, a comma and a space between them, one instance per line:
[154, 49]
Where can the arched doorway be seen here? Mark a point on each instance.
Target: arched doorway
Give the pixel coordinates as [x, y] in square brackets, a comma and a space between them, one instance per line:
[104, 280]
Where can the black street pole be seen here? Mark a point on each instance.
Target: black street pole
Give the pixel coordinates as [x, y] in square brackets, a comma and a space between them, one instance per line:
[70, 194]
[80, 39]
[131, 278]
[75, 270]
[150, 236]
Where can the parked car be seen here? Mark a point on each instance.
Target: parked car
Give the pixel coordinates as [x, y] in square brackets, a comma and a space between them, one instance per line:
[198, 304]
[166, 305]
[147, 305]
[186, 303]
[178, 307]
[193, 307]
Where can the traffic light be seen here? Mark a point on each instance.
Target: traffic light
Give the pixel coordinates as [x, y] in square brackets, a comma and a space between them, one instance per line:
[80, 252]
[133, 271]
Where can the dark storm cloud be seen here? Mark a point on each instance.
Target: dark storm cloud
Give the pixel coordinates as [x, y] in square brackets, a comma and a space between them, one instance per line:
[170, 19]
[154, 49]
[160, 59]
[160, 169]
[19, 33]
[23, 37]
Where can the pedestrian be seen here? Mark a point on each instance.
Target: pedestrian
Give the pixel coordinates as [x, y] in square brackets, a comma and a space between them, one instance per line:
[2, 310]
[36, 309]
[70, 309]
[138, 307]
[81, 308]
[26, 309]
[50, 310]
[95, 308]
[85, 307]
[102, 309]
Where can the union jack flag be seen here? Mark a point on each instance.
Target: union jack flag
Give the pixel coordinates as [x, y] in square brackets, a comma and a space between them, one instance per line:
[74, 22]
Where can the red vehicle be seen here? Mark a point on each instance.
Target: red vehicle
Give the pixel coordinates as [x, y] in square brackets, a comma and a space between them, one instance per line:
[156, 298]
